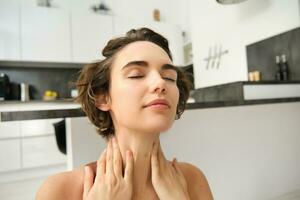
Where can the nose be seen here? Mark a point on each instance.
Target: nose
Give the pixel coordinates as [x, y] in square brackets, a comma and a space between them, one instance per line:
[158, 84]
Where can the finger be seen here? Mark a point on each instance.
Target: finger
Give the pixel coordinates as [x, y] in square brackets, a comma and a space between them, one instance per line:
[160, 151]
[161, 158]
[173, 162]
[128, 175]
[101, 164]
[109, 159]
[176, 166]
[154, 159]
[174, 170]
[88, 181]
[117, 158]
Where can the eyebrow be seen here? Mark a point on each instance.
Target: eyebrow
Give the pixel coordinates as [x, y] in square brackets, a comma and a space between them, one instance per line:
[143, 63]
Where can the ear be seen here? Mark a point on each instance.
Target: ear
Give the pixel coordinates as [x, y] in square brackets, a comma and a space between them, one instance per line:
[102, 102]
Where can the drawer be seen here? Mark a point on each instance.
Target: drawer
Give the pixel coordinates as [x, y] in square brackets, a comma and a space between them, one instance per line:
[41, 151]
[37, 127]
[10, 155]
[9, 129]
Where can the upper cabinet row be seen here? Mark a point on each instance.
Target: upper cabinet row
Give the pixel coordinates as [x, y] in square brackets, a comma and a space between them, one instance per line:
[54, 35]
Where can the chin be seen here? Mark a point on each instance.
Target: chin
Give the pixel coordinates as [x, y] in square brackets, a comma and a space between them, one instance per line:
[159, 126]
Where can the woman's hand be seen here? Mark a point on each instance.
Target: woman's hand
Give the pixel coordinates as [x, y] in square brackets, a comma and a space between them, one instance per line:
[167, 179]
[109, 182]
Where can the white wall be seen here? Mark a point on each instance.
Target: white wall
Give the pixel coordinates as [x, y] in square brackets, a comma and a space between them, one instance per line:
[233, 27]
[246, 152]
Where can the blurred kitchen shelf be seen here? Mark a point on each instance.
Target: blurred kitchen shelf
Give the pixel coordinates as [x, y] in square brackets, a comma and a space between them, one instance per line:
[13, 63]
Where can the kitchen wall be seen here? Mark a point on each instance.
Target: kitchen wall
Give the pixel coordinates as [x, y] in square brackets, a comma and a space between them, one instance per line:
[62, 80]
[220, 28]
[287, 43]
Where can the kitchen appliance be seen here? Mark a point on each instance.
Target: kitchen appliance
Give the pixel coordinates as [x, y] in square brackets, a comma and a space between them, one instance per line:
[4, 87]
[15, 91]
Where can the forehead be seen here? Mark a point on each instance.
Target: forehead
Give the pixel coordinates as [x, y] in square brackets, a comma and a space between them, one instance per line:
[141, 50]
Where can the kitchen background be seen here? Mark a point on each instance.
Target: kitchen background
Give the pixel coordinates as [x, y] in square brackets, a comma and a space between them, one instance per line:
[45, 47]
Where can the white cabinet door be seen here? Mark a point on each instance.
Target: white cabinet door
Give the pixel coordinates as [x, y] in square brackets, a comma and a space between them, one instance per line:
[173, 33]
[45, 34]
[41, 151]
[10, 155]
[84, 145]
[9, 129]
[9, 31]
[122, 25]
[90, 33]
[38, 127]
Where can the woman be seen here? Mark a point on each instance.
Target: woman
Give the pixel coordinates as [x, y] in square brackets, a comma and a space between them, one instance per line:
[131, 96]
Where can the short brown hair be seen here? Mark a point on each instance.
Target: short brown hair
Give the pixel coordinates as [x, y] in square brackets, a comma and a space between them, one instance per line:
[94, 79]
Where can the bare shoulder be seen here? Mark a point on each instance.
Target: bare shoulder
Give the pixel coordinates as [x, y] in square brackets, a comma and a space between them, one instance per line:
[197, 183]
[62, 186]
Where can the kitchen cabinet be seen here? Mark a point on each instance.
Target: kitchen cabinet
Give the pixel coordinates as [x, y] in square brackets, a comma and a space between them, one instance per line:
[9, 31]
[90, 33]
[28, 144]
[123, 25]
[41, 151]
[174, 35]
[9, 130]
[10, 155]
[38, 127]
[45, 34]
[172, 32]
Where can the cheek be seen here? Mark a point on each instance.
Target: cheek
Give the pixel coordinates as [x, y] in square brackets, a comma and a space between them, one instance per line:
[125, 96]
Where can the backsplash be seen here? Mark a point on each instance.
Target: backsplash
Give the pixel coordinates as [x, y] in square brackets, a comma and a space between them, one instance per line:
[261, 55]
[41, 79]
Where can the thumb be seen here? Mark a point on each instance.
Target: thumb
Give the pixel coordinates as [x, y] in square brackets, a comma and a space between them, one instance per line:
[154, 160]
[88, 181]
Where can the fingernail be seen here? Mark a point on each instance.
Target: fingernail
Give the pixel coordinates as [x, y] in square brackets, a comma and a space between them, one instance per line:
[85, 169]
[129, 153]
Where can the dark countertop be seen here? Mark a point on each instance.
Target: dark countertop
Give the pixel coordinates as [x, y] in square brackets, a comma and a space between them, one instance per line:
[77, 112]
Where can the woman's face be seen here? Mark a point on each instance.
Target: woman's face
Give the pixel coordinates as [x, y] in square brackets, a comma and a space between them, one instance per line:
[141, 73]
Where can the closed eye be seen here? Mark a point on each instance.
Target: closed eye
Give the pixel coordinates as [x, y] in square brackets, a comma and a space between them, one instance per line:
[134, 77]
[166, 78]
[169, 79]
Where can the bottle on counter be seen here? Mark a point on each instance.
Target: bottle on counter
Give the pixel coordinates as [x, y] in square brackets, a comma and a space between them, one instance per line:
[278, 75]
[284, 68]
[24, 92]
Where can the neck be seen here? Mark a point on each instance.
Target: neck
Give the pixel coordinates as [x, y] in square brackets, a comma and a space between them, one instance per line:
[140, 144]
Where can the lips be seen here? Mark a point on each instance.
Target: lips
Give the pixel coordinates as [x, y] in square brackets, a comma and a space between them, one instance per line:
[158, 102]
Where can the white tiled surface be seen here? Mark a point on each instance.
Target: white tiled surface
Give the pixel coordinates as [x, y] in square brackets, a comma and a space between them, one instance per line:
[36, 105]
